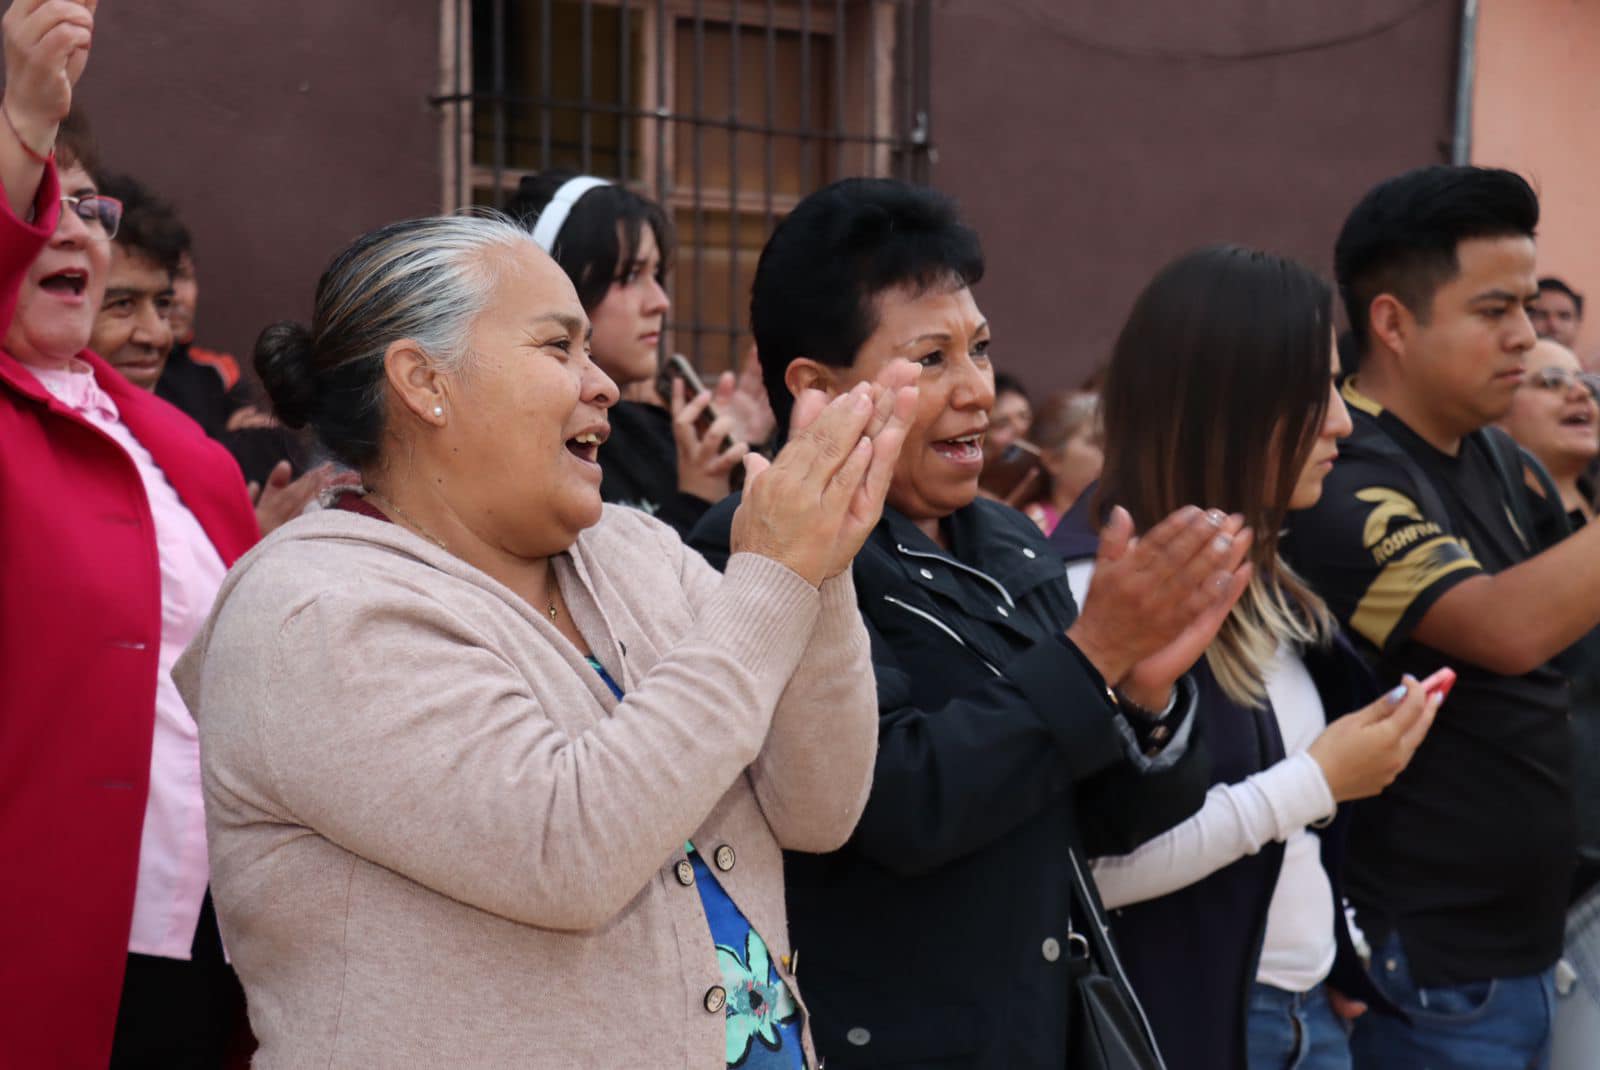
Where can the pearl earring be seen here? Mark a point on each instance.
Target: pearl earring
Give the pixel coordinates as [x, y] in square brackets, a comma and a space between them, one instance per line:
[438, 410]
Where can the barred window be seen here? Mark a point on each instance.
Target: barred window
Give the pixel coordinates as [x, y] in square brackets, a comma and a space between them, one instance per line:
[726, 113]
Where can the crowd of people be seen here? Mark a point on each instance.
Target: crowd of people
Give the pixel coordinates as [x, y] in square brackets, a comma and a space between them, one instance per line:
[472, 693]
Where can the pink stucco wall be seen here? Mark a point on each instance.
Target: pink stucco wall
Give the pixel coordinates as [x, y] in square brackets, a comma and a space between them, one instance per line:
[1536, 109]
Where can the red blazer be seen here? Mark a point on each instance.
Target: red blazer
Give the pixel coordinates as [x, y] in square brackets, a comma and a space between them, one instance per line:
[80, 631]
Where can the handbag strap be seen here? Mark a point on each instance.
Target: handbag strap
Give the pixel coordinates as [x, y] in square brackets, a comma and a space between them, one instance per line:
[1097, 946]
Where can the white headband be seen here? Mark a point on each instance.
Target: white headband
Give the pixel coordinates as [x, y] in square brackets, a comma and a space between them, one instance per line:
[554, 216]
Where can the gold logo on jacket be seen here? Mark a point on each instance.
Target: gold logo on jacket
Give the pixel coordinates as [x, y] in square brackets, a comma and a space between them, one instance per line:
[1389, 506]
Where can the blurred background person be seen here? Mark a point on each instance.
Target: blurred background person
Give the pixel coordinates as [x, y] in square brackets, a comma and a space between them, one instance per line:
[1221, 387]
[1557, 313]
[1554, 416]
[118, 518]
[1011, 471]
[615, 246]
[1011, 416]
[134, 333]
[206, 384]
[580, 748]
[1068, 434]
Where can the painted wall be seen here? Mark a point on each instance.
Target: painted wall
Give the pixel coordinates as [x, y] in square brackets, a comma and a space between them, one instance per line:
[1536, 110]
[1091, 143]
[281, 132]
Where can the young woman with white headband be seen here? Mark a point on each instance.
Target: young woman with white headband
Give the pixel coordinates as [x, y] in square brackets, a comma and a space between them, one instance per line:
[614, 246]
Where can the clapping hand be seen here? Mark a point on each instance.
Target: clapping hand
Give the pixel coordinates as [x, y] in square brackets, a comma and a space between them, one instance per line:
[813, 506]
[1156, 602]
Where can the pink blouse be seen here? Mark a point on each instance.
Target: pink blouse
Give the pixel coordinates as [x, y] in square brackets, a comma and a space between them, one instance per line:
[173, 867]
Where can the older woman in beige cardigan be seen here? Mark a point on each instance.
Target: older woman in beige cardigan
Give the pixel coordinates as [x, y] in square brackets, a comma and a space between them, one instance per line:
[473, 744]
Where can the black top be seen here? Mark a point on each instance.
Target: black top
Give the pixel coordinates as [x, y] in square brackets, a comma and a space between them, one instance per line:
[1469, 854]
[938, 934]
[639, 466]
[200, 393]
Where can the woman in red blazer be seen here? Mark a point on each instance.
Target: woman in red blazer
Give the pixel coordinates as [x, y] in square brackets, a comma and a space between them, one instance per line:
[81, 608]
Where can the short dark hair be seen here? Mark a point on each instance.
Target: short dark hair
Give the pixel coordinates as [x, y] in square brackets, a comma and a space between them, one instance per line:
[1006, 383]
[1551, 283]
[1401, 238]
[588, 248]
[75, 144]
[150, 225]
[825, 265]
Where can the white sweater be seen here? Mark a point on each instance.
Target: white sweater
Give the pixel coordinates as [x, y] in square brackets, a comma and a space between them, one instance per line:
[1236, 820]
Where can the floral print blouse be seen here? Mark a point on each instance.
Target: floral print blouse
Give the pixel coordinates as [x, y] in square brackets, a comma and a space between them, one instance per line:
[763, 1019]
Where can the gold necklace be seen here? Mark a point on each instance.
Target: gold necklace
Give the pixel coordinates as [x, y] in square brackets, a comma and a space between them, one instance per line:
[394, 510]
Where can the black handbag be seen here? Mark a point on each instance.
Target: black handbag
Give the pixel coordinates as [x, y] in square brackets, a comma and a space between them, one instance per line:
[1108, 1029]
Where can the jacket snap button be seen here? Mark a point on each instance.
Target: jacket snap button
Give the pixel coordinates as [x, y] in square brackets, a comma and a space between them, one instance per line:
[685, 870]
[1029, 554]
[1051, 949]
[926, 574]
[724, 858]
[1002, 611]
[716, 998]
[859, 1037]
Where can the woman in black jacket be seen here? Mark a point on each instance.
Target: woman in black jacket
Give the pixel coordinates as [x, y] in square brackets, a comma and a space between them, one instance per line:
[615, 246]
[1222, 384]
[942, 933]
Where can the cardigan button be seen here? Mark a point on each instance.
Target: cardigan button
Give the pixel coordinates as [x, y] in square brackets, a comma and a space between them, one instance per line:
[724, 858]
[716, 998]
[1002, 611]
[926, 574]
[859, 1036]
[1051, 949]
[685, 871]
[1029, 554]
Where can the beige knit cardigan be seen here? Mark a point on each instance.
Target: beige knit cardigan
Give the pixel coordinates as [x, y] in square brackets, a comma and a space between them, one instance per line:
[437, 839]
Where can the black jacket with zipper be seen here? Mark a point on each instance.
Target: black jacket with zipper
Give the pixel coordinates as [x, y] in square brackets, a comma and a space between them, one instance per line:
[938, 934]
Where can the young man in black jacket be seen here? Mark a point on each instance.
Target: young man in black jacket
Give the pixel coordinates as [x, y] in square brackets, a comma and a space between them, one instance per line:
[1460, 872]
[948, 930]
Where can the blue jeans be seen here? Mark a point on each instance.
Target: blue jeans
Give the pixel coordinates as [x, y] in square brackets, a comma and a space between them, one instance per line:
[1503, 1024]
[1295, 1031]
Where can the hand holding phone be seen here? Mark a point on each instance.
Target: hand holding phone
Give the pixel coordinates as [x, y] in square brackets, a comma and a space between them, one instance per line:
[677, 366]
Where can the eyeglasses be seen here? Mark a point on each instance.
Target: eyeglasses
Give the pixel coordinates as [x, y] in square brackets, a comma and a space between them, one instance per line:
[97, 211]
[1560, 380]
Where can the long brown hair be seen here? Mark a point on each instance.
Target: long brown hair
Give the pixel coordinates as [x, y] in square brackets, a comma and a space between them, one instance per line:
[1215, 395]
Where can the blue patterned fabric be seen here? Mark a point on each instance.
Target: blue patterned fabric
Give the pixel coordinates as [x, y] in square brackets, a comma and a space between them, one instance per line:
[763, 1019]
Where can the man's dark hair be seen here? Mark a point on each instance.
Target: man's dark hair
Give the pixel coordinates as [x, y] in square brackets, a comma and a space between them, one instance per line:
[1401, 238]
[1006, 383]
[1552, 284]
[818, 279]
[75, 144]
[150, 226]
[602, 232]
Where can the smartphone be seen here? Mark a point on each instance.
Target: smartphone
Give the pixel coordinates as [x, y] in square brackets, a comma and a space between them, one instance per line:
[677, 366]
[1013, 476]
[1440, 682]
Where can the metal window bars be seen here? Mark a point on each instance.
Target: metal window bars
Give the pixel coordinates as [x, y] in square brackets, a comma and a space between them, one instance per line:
[683, 100]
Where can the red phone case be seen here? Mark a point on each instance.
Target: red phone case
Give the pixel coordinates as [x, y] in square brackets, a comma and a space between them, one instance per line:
[1440, 682]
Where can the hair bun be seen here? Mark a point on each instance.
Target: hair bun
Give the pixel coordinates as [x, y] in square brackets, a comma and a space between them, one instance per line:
[283, 361]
